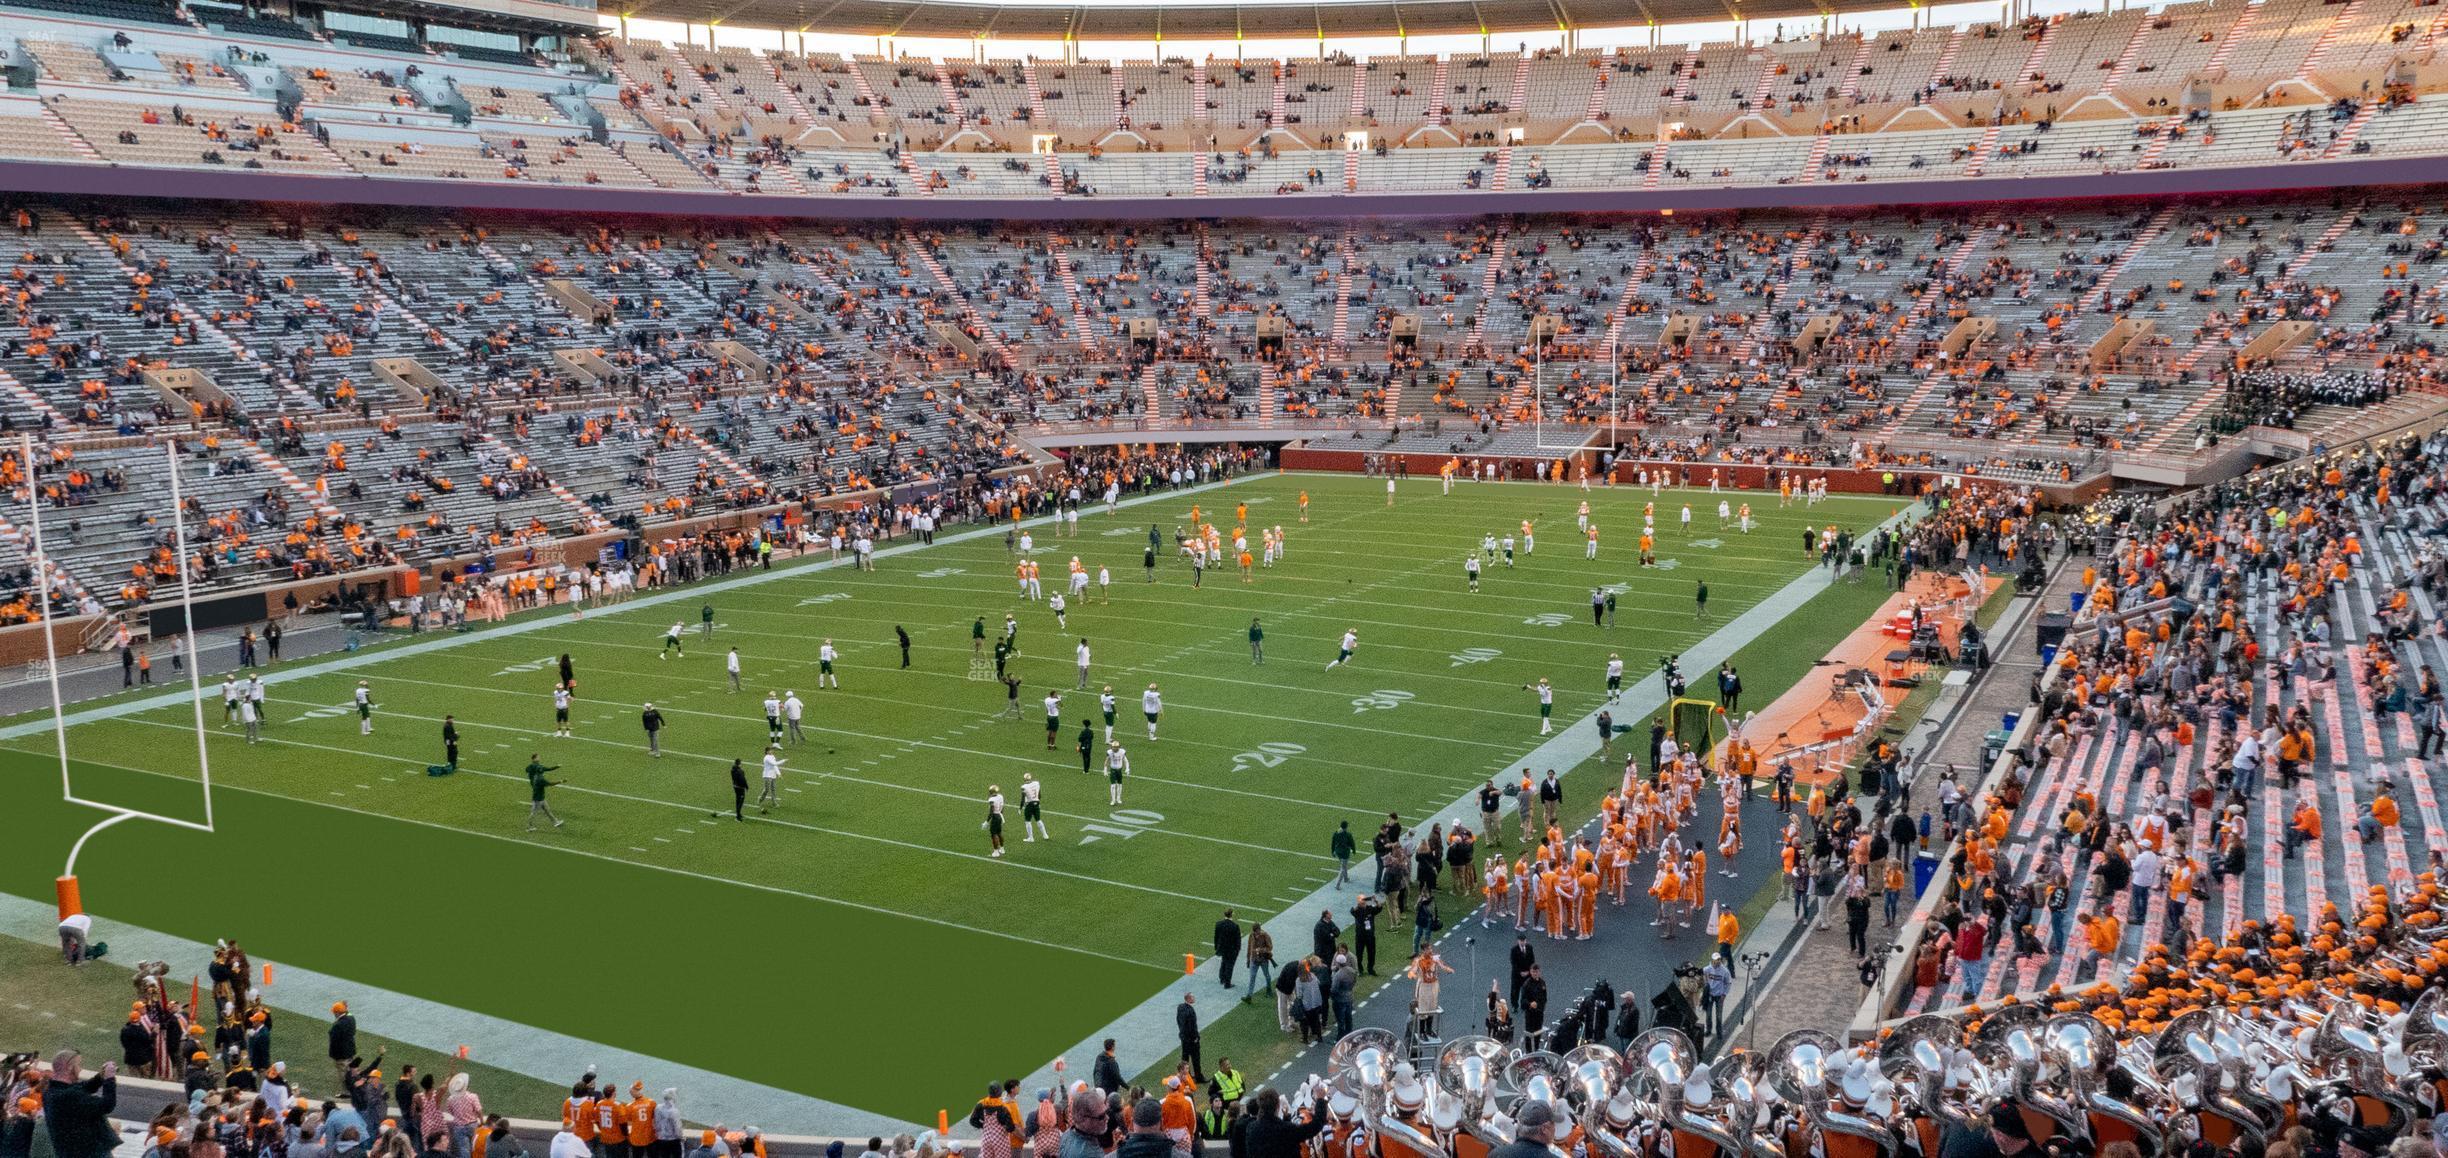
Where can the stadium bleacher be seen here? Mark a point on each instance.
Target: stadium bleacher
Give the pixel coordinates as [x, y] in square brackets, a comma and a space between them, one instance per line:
[2075, 331]
[359, 386]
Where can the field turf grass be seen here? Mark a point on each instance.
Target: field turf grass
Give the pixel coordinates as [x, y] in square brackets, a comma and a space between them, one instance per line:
[838, 946]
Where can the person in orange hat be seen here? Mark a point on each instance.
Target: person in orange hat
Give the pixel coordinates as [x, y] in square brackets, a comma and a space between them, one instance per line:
[641, 1120]
[342, 1038]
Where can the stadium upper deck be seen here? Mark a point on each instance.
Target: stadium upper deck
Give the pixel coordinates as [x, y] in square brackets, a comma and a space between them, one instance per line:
[2203, 86]
[426, 381]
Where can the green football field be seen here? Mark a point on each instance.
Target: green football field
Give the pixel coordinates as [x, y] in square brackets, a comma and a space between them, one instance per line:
[840, 945]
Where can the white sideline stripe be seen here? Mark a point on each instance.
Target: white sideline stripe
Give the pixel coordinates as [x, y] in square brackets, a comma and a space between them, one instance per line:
[1147, 1031]
[541, 1054]
[550, 617]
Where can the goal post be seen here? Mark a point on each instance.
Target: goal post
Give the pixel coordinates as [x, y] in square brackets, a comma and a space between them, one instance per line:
[69, 895]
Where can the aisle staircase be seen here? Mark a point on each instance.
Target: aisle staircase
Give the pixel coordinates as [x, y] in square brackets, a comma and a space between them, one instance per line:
[2150, 231]
[1202, 294]
[1686, 71]
[1642, 267]
[2329, 37]
[1038, 119]
[1350, 256]
[1150, 393]
[586, 517]
[1492, 269]
[1082, 330]
[30, 400]
[2354, 129]
[986, 335]
[1796, 263]
[1814, 166]
[2168, 131]
[2125, 60]
[75, 140]
[2035, 66]
[951, 97]
[2216, 66]
[1983, 150]
[314, 499]
[2210, 398]
[1946, 56]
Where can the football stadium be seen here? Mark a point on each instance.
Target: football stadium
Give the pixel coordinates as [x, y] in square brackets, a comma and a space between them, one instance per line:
[1457, 579]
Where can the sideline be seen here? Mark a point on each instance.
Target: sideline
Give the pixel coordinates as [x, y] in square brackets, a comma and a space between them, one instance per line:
[541, 1054]
[1147, 1031]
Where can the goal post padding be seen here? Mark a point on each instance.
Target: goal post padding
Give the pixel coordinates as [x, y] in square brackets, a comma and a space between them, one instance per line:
[1697, 725]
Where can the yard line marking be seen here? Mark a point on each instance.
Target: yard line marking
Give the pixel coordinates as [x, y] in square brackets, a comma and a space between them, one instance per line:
[800, 568]
[913, 846]
[1274, 717]
[634, 848]
[903, 741]
[777, 890]
[662, 840]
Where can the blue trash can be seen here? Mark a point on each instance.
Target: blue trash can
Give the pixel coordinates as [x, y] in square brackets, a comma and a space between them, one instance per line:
[2074, 602]
[1925, 869]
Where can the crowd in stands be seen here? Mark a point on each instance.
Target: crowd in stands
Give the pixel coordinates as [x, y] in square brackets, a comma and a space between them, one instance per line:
[268, 95]
[2207, 810]
[400, 387]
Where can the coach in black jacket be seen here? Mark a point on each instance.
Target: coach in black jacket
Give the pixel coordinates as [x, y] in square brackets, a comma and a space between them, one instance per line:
[1227, 945]
[77, 1113]
[1107, 1075]
[1271, 1134]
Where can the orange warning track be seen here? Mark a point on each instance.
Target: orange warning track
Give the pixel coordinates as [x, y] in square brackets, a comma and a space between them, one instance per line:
[1814, 712]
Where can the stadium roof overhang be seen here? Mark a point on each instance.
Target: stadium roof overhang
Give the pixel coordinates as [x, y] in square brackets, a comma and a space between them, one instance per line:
[1212, 22]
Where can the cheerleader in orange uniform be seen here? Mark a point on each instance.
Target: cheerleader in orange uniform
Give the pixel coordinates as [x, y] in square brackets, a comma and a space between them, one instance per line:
[1695, 885]
[1668, 889]
[1589, 902]
[1551, 900]
[1568, 903]
[1729, 841]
